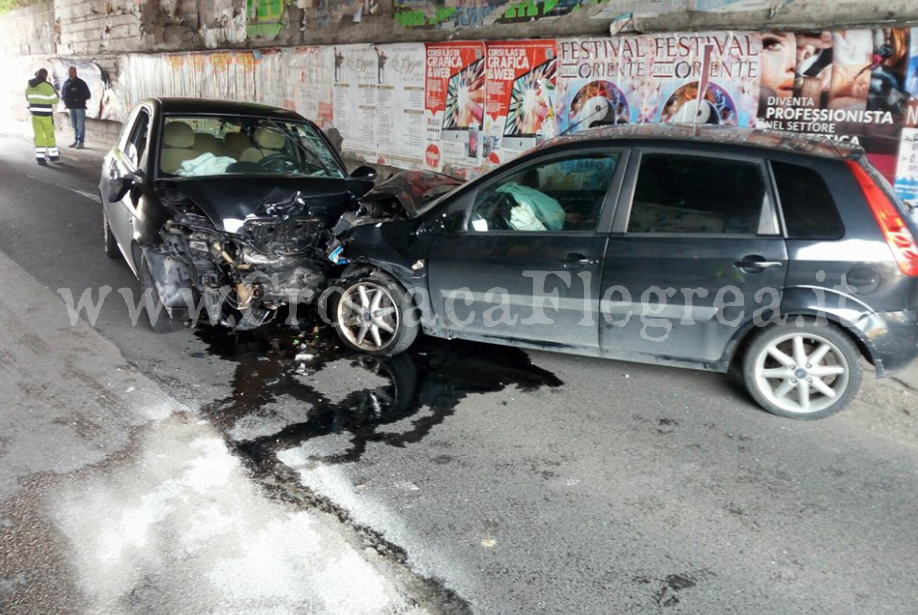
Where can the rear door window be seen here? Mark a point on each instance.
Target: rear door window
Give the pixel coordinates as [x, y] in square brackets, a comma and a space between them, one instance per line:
[694, 194]
[806, 202]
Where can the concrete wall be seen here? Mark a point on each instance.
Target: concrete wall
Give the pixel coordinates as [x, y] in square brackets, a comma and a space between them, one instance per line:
[89, 27]
[97, 30]
[28, 31]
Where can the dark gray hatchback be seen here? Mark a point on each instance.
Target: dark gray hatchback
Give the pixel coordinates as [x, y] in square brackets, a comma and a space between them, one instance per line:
[784, 256]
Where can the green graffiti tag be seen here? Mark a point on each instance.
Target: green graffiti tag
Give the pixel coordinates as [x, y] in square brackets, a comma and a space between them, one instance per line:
[264, 18]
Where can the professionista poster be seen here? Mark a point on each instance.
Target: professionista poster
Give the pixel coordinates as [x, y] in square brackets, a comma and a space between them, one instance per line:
[847, 85]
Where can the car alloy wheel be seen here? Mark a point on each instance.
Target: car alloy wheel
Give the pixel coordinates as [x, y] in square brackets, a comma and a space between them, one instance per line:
[367, 316]
[803, 373]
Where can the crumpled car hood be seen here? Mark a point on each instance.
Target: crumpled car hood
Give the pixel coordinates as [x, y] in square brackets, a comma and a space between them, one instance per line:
[227, 201]
[413, 189]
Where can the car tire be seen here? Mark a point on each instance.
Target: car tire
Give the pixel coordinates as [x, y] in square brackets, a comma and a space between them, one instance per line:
[369, 311]
[802, 369]
[160, 320]
[108, 240]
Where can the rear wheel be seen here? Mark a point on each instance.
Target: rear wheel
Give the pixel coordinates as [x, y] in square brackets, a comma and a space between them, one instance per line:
[160, 319]
[370, 312]
[108, 240]
[804, 371]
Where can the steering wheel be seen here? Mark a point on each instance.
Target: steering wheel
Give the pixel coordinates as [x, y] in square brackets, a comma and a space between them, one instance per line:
[505, 203]
[279, 162]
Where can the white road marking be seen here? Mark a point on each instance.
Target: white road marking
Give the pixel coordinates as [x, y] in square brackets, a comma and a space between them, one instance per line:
[88, 195]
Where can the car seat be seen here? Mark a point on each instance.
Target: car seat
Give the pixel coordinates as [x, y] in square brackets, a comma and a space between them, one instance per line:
[236, 143]
[268, 141]
[178, 143]
[207, 143]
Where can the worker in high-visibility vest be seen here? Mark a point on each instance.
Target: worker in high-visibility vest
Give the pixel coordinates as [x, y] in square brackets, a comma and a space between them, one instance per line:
[42, 97]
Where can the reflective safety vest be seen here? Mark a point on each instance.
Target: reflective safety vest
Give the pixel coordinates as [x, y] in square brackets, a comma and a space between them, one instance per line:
[41, 98]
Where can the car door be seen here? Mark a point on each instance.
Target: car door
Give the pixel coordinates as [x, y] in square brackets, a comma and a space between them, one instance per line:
[524, 262]
[124, 160]
[695, 256]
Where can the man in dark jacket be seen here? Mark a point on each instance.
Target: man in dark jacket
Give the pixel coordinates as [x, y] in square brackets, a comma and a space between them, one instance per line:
[75, 94]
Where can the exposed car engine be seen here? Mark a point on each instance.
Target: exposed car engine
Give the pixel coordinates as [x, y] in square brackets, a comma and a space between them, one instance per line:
[248, 269]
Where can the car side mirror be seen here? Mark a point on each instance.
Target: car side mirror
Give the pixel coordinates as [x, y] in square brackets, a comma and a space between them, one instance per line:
[119, 187]
[455, 222]
[365, 173]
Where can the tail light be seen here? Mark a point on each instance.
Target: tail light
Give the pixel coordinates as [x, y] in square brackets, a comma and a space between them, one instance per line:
[895, 230]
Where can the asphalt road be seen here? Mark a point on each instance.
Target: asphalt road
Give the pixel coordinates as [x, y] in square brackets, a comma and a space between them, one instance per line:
[517, 482]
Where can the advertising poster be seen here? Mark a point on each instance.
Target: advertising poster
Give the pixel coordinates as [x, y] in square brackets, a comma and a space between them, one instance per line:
[270, 82]
[599, 83]
[355, 80]
[703, 78]
[400, 131]
[310, 77]
[454, 104]
[521, 78]
[848, 85]
[907, 167]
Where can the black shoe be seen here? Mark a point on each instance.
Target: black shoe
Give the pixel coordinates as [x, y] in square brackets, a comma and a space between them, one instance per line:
[79, 146]
[42, 162]
[55, 159]
[74, 144]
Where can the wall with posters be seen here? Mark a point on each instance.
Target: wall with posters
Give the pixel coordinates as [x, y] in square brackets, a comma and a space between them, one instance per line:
[462, 107]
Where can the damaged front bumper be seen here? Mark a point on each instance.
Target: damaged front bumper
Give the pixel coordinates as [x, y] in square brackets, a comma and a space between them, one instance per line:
[240, 278]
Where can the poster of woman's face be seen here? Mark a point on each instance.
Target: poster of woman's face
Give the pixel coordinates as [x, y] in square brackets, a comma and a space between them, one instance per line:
[778, 64]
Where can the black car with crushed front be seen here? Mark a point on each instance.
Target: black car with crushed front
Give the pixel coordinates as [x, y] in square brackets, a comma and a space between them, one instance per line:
[787, 257]
[224, 207]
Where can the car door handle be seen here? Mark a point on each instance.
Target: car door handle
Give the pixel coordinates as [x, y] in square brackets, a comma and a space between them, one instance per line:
[757, 263]
[576, 261]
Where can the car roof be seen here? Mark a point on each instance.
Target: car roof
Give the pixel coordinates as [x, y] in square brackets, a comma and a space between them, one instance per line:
[726, 135]
[204, 106]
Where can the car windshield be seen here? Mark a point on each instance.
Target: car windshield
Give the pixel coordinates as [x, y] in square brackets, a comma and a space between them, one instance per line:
[204, 146]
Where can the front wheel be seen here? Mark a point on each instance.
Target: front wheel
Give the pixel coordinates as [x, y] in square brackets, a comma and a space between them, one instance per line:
[802, 371]
[370, 314]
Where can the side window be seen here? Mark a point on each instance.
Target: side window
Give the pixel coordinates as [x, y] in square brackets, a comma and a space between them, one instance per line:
[563, 194]
[808, 207]
[678, 193]
[136, 146]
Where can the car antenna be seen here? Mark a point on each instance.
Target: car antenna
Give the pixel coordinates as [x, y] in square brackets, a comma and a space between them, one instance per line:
[587, 118]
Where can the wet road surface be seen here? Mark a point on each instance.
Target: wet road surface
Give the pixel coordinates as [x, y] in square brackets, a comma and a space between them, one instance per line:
[517, 482]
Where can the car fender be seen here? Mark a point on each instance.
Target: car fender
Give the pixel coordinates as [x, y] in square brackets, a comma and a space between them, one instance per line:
[171, 277]
[843, 310]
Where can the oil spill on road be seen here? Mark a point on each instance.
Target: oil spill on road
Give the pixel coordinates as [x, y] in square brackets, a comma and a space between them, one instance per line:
[434, 375]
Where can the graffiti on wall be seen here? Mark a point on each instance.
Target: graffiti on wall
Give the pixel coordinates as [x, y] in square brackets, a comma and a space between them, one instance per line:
[104, 104]
[264, 18]
[456, 14]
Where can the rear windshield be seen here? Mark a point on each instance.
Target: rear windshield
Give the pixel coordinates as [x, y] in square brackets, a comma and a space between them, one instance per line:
[807, 203]
[204, 146]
